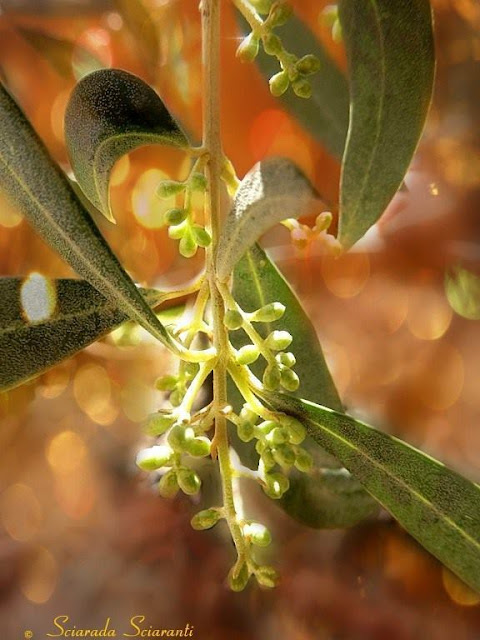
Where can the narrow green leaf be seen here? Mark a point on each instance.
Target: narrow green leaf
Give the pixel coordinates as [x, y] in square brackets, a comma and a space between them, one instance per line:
[43, 322]
[437, 506]
[391, 63]
[274, 189]
[32, 180]
[462, 288]
[110, 113]
[66, 57]
[325, 114]
[328, 496]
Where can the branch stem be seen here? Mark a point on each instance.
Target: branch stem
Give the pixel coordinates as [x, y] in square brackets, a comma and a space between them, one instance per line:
[212, 143]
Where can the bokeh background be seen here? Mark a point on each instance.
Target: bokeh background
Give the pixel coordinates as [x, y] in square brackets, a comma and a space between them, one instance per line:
[82, 533]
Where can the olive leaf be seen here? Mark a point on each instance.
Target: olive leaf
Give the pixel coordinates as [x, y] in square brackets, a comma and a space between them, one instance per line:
[391, 64]
[66, 57]
[325, 114]
[273, 190]
[437, 506]
[41, 191]
[43, 322]
[110, 113]
[328, 497]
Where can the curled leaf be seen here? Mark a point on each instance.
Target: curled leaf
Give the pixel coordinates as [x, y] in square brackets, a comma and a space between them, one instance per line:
[273, 190]
[110, 113]
[32, 180]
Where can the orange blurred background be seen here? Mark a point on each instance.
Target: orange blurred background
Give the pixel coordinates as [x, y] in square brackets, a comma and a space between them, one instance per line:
[81, 533]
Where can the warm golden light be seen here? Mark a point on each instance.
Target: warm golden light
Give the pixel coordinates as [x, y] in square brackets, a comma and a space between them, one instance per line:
[20, 512]
[429, 314]
[93, 392]
[40, 577]
[66, 452]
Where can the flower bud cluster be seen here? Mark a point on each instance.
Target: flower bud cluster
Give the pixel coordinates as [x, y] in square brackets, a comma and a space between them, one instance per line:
[180, 436]
[294, 71]
[255, 534]
[180, 221]
[278, 446]
[303, 236]
[278, 371]
[177, 384]
[180, 439]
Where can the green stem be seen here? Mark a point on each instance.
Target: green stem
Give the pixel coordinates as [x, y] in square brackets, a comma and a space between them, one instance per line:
[212, 142]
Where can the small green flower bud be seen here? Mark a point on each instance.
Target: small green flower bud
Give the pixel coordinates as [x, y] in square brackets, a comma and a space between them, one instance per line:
[258, 534]
[271, 377]
[293, 74]
[329, 15]
[279, 14]
[279, 83]
[267, 459]
[198, 182]
[238, 577]
[260, 447]
[278, 340]
[190, 370]
[189, 481]
[154, 457]
[177, 231]
[303, 460]
[168, 485]
[296, 430]
[269, 313]
[277, 436]
[337, 33]
[323, 221]
[187, 246]
[264, 428]
[276, 485]
[286, 359]
[246, 431]
[168, 188]
[289, 380]
[302, 88]
[158, 423]
[308, 64]
[272, 44]
[233, 319]
[175, 216]
[179, 435]
[247, 354]
[205, 519]
[201, 236]
[247, 415]
[248, 49]
[176, 397]
[198, 447]
[266, 577]
[284, 455]
[166, 383]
